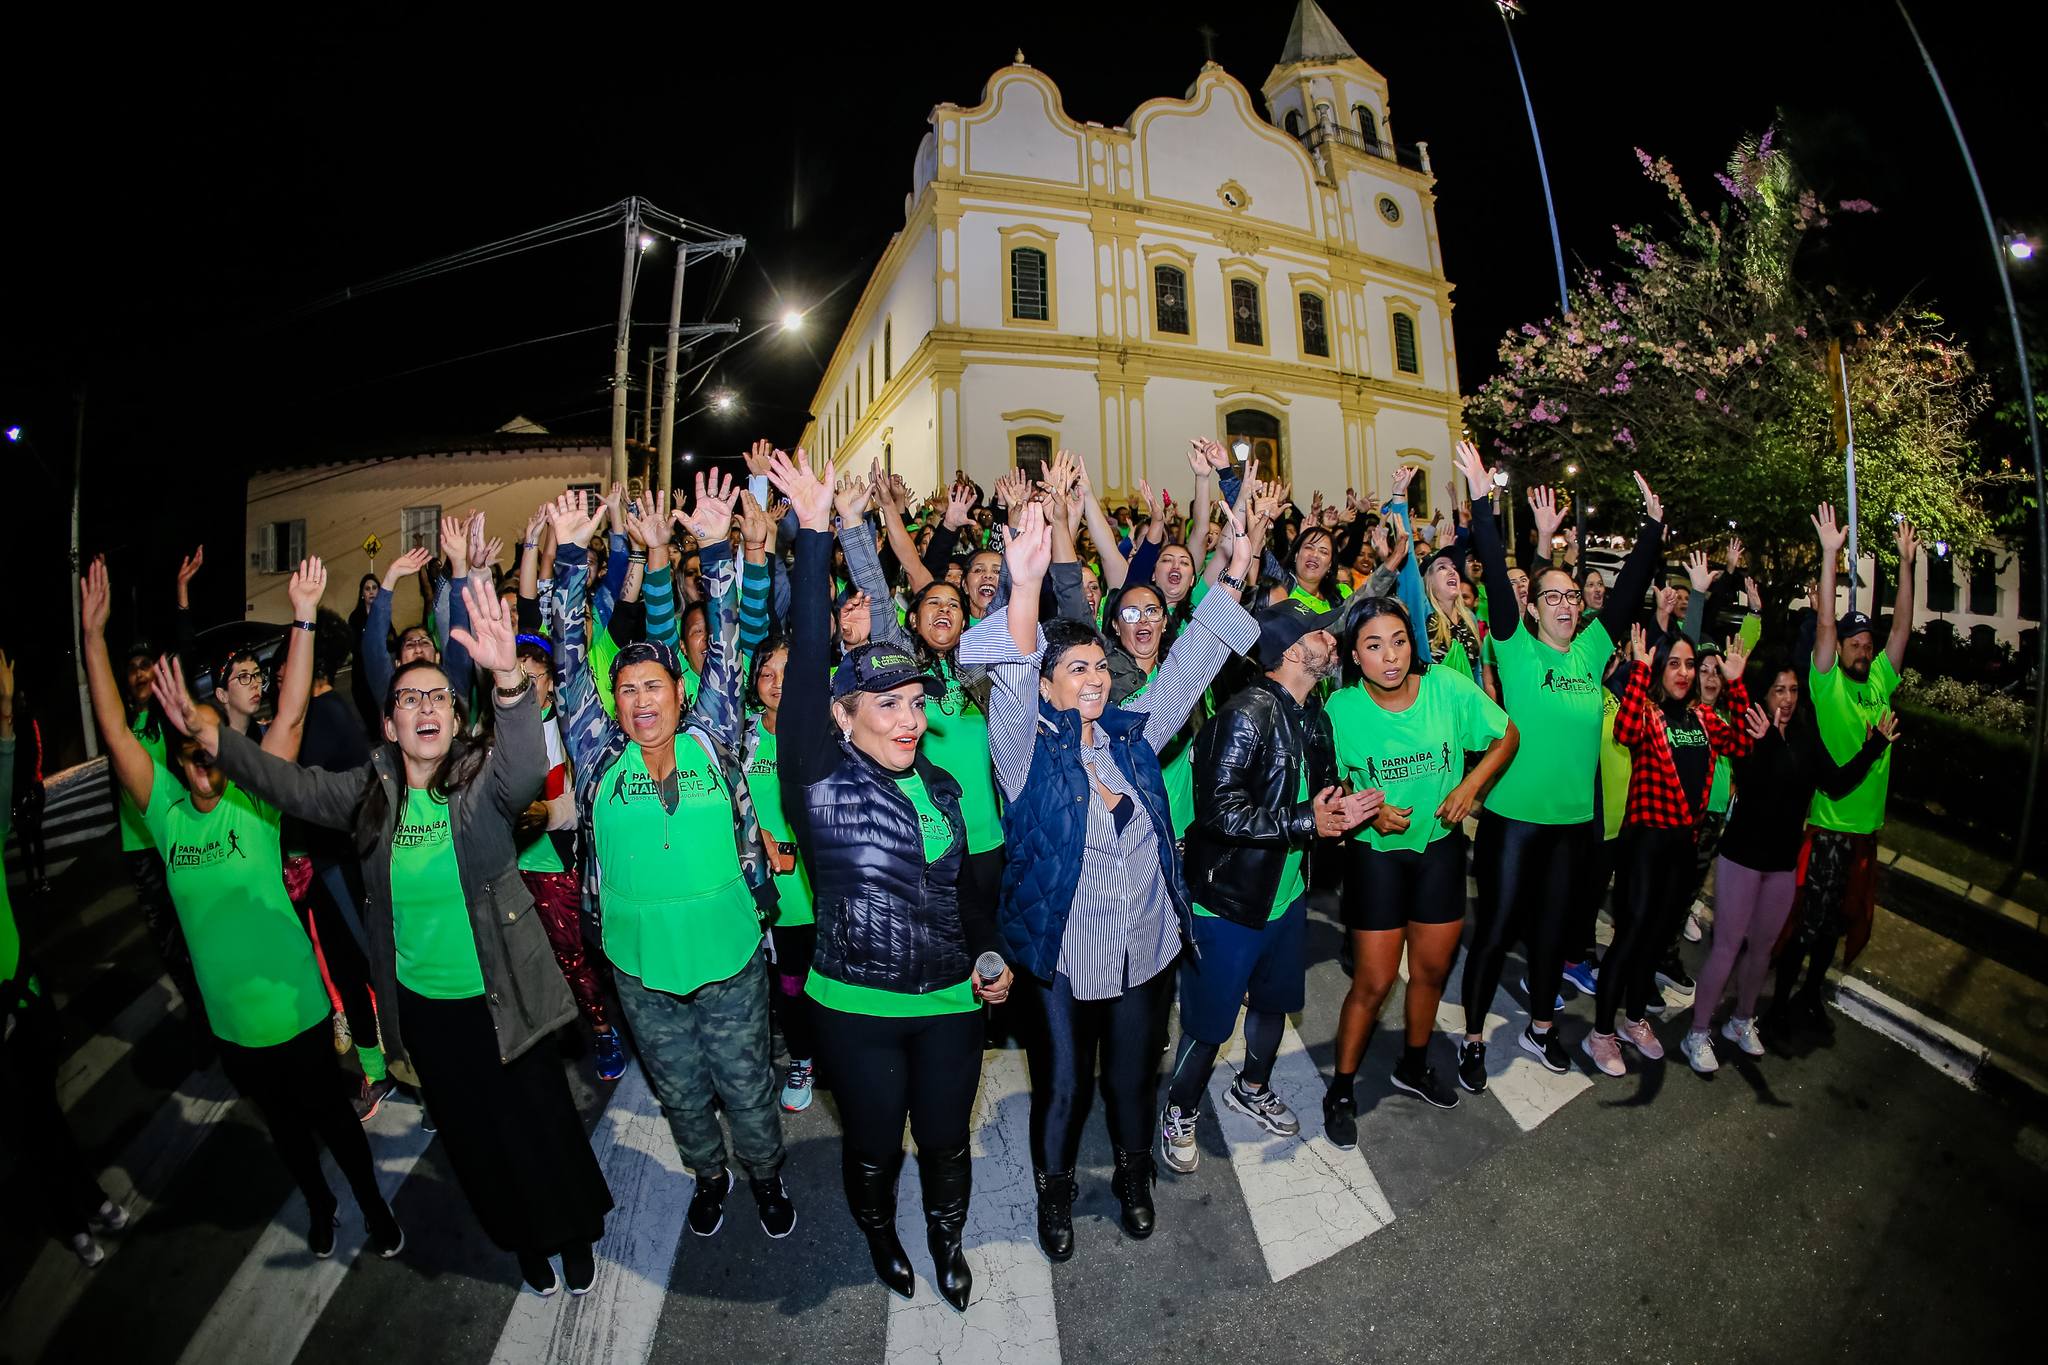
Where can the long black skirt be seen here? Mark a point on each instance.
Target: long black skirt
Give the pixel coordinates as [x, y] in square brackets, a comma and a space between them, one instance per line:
[511, 1130]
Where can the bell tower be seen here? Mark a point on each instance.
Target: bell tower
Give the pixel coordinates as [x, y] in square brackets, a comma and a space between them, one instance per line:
[1322, 92]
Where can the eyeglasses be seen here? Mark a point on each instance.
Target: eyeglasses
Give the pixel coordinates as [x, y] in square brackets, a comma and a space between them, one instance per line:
[535, 674]
[1553, 597]
[417, 698]
[1130, 616]
[247, 677]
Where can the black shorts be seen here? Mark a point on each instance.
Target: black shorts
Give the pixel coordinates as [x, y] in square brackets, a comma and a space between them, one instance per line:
[1392, 888]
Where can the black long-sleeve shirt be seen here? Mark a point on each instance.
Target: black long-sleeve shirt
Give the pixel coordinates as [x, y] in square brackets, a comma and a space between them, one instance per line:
[1774, 787]
[1504, 618]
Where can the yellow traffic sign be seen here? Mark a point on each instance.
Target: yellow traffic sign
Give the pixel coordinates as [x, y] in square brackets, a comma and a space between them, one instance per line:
[371, 545]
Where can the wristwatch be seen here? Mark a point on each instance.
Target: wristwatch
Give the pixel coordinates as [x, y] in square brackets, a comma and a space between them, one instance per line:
[304, 625]
[1234, 584]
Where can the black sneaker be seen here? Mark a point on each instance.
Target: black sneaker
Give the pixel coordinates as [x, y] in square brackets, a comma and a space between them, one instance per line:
[778, 1215]
[1340, 1121]
[539, 1274]
[1671, 972]
[387, 1238]
[1548, 1047]
[579, 1268]
[1472, 1066]
[1424, 1083]
[320, 1233]
[707, 1203]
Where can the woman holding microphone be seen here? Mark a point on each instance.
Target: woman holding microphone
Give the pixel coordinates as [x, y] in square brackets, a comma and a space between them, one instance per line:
[894, 979]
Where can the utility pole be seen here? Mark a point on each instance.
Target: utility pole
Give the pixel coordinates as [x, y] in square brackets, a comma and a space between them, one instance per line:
[620, 345]
[665, 451]
[86, 726]
[647, 401]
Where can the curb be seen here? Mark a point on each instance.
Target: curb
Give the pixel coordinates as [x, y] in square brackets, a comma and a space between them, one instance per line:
[1961, 1058]
[1984, 898]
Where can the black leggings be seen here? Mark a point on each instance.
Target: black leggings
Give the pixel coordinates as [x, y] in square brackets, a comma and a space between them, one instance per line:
[1525, 873]
[1194, 1061]
[299, 1090]
[1069, 1042]
[794, 1014]
[1656, 867]
[883, 1070]
[28, 825]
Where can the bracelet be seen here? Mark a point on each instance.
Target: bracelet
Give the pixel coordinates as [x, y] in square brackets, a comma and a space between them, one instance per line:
[526, 545]
[514, 693]
[304, 625]
[1234, 584]
[636, 556]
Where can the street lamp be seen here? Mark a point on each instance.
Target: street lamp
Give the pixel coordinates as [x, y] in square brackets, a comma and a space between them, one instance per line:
[721, 402]
[645, 241]
[2019, 248]
[792, 320]
[1242, 449]
[14, 433]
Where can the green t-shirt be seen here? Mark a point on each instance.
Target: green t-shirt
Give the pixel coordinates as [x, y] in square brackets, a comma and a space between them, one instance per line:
[429, 914]
[541, 854]
[1177, 771]
[1847, 710]
[677, 910]
[1292, 883]
[886, 1004]
[957, 741]
[1616, 762]
[1553, 696]
[764, 784]
[1415, 756]
[255, 965]
[1315, 603]
[134, 829]
[603, 649]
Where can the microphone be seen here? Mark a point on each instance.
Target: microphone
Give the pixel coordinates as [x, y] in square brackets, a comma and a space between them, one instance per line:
[989, 966]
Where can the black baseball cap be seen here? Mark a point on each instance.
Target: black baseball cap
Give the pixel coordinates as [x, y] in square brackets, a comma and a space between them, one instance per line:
[1854, 623]
[1452, 555]
[1284, 623]
[879, 667]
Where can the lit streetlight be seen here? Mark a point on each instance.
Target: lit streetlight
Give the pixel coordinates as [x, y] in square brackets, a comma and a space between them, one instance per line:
[645, 241]
[14, 433]
[792, 320]
[721, 402]
[2019, 248]
[1242, 449]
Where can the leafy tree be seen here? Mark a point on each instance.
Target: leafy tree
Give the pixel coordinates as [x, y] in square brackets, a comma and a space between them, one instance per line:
[1702, 359]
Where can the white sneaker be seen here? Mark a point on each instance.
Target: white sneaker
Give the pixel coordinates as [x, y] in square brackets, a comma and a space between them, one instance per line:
[87, 1250]
[108, 1217]
[1693, 932]
[1742, 1033]
[1177, 1148]
[1264, 1108]
[1699, 1051]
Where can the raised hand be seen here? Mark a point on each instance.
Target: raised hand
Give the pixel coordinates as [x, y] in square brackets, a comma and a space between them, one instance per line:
[1734, 553]
[1888, 726]
[406, 565]
[711, 513]
[1352, 507]
[1143, 492]
[809, 491]
[478, 559]
[1027, 549]
[1214, 457]
[1478, 478]
[493, 636]
[615, 505]
[188, 569]
[481, 561]
[1909, 544]
[1757, 721]
[1667, 602]
[1639, 643]
[1403, 476]
[756, 457]
[96, 599]
[850, 498]
[1756, 596]
[534, 526]
[888, 492]
[455, 544]
[757, 528]
[1543, 506]
[167, 680]
[1696, 570]
[1734, 657]
[309, 581]
[959, 507]
[1241, 546]
[1653, 506]
[573, 519]
[653, 524]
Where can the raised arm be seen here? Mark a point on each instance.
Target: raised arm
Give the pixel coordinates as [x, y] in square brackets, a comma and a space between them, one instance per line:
[517, 768]
[1008, 645]
[133, 768]
[187, 636]
[375, 646]
[809, 750]
[1902, 603]
[1502, 617]
[1114, 566]
[1832, 537]
[720, 709]
[864, 567]
[1219, 628]
[1643, 557]
[1632, 721]
[586, 729]
[295, 688]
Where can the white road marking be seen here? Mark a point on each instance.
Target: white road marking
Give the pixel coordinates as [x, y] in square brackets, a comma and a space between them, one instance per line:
[1011, 1317]
[1308, 1199]
[614, 1324]
[139, 1176]
[1527, 1089]
[269, 1307]
[99, 1054]
[1941, 1047]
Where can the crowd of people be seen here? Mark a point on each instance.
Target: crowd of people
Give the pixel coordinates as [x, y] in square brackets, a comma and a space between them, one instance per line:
[810, 760]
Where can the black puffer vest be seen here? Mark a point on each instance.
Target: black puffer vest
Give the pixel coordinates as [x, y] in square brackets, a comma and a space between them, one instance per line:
[886, 918]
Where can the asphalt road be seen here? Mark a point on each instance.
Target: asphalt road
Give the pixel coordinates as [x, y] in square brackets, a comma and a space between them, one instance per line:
[1838, 1200]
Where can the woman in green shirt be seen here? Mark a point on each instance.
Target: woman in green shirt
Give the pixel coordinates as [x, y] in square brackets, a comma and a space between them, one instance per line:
[793, 936]
[1404, 729]
[255, 966]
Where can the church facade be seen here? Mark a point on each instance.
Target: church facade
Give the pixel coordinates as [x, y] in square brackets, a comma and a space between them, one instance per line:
[1274, 281]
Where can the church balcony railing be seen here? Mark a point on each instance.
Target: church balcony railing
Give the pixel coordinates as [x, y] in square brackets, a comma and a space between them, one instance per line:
[1410, 157]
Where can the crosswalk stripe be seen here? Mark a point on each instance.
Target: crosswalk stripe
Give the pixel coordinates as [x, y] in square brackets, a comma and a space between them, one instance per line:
[614, 1324]
[99, 1054]
[137, 1179]
[268, 1309]
[1527, 1089]
[1307, 1198]
[1011, 1317]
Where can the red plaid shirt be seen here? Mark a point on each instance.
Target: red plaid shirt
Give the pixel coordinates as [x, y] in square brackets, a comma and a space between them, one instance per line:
[1656, 796]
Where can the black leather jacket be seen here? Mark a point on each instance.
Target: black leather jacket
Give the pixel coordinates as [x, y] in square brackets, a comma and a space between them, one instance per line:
[1249, 763]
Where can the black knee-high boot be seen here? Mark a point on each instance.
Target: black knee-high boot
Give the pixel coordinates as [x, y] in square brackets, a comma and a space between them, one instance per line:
[948, 1177]
[871, 1194]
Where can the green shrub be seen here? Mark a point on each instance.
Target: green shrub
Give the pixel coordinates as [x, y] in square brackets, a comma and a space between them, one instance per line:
[1963, 775]
[1979, 705]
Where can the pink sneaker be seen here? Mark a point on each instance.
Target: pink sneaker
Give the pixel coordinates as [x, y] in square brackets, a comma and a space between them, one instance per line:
[1605, 1050]
[1638, 1034]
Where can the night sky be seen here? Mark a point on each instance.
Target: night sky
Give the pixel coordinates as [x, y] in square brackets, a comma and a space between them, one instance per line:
[181, 193]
